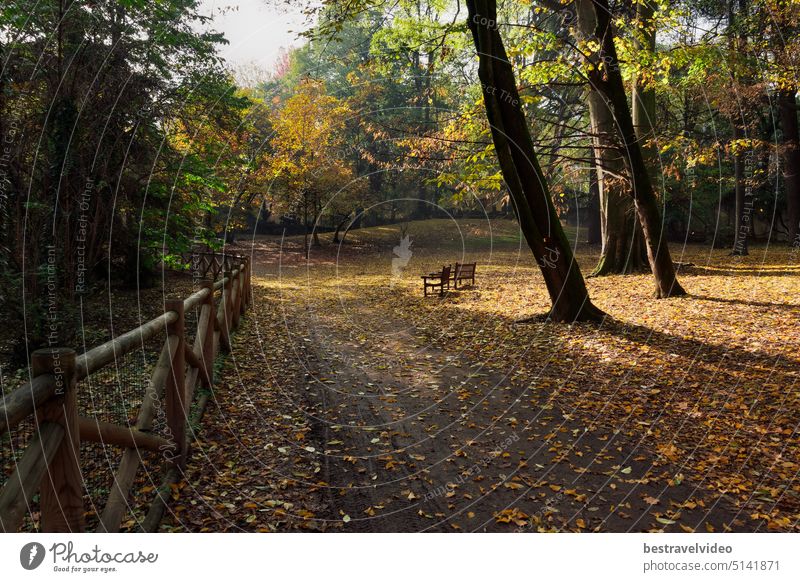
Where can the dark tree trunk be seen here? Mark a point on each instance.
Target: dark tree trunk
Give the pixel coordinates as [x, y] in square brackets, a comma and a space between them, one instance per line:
[605, 76]
[595, 232]
[306, 246]
[787, 105]
[644, 96]
[339, 227]
[743, 206]
[618, 253]
[523, 176]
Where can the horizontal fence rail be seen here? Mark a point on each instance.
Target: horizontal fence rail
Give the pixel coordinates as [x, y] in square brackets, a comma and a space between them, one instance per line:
[50, 463]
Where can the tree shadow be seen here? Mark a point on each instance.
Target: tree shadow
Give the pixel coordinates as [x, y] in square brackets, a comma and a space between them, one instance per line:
[751, 303]
[669, 343]
[733, 271]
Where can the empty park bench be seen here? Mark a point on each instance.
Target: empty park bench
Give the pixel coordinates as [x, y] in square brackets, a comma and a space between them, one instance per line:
[440, 280]
[464, 272]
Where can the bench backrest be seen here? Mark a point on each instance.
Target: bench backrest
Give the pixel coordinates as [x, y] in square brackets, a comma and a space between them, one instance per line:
[446, 272]
[465, 270]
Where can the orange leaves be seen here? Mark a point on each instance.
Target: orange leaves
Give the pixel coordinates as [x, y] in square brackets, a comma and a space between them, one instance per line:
[669, 450]
[513, 515]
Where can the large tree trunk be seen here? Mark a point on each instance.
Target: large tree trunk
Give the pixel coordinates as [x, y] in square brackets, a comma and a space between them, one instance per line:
[787, 105]
[621, 251]
[523, 176]
[595, 233]
[743, 212]
[605, 76]
[744, 208]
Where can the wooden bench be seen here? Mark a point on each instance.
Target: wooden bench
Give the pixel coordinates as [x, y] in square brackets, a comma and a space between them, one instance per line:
[464, 272]
[440, 280]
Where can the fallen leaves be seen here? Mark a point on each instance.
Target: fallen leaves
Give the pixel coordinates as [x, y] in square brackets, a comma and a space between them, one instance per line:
[513, 515]
[678, 406]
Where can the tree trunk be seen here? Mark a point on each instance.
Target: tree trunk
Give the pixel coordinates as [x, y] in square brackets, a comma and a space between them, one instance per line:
[787, 105]
[595, 233]
[339, 227]
[742, 217]
[522, 173]
[605, 77]
[618, 254]
[306, 246]
[644, 95]
[738, 46]
[617, 217]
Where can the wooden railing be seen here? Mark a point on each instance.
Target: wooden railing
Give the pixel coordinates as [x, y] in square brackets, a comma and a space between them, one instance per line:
[210, 264]
[51, 462]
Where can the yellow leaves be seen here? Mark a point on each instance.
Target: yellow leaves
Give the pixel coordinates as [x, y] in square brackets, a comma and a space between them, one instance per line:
[513, 515]
[780, 523]
[669, 450]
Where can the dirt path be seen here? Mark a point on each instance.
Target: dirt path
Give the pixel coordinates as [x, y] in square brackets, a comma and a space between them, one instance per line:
[418, 439]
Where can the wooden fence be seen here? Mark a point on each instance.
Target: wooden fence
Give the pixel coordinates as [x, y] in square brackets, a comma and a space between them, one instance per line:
[51, 461]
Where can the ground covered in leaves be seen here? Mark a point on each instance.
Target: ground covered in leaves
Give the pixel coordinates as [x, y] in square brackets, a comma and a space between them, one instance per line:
[352, 403]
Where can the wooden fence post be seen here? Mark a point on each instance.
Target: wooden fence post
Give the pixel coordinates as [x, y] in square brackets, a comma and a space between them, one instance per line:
[236, 298]
[243, 287]
[62, 484]
[175, 395]
[227, 304]
[247, 285]
[208, 341]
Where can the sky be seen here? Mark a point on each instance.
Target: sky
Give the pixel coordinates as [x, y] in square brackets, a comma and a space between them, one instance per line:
[257, 31]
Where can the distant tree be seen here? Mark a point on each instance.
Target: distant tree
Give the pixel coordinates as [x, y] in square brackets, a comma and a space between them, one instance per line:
[306, 162]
